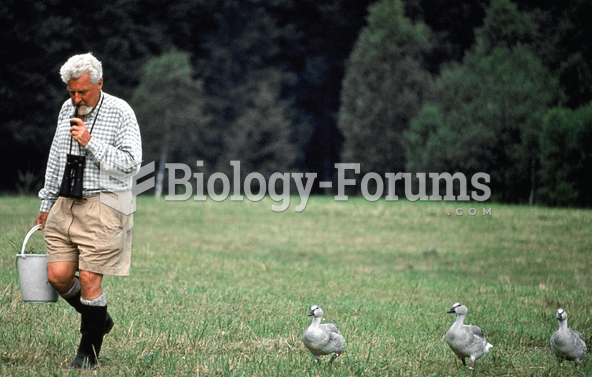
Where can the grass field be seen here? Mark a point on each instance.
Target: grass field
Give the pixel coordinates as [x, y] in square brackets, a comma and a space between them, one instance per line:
[223, 289]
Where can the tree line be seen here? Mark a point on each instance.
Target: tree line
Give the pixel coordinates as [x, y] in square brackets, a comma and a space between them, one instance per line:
[298, 85]
[510, 107]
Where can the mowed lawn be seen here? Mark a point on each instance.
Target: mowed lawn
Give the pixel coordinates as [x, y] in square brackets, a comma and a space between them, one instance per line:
[223, 289]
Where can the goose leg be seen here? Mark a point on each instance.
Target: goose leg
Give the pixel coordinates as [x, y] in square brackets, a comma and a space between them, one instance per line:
[335, 356]
[463, 360]
[472, 366]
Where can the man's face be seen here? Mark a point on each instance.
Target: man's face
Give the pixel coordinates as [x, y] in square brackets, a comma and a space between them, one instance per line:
[84, 93]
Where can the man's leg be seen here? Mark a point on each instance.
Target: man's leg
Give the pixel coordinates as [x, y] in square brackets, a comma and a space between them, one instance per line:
[62, 277]
[95, 322]
[86, 295]
[91, 285]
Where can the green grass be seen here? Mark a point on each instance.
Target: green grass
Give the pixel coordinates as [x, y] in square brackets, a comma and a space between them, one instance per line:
[223, 289]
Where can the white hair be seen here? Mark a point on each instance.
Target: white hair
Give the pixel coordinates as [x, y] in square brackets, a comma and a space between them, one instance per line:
[79, 64]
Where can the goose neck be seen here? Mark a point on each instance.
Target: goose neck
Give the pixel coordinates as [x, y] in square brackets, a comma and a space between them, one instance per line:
[563, 325]
[316, 321]
[460, 319]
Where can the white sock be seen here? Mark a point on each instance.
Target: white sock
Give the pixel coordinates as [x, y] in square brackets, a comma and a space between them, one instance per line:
[74, 290]
[99, 301]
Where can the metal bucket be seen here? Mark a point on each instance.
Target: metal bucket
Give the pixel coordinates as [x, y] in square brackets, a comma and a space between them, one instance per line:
[32, 270]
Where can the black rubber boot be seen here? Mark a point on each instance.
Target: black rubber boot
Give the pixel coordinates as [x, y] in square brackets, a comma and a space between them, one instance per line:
[74, 302]
[92, 329]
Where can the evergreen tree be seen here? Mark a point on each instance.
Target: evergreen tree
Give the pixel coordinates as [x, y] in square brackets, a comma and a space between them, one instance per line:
[383, 89]
[245, 85]
[260, 137]
[169, 105]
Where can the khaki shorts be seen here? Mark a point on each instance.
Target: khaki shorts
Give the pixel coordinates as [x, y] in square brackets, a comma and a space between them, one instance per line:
[91, 233]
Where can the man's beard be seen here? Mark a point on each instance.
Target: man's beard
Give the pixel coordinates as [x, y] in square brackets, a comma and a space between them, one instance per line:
[82, 109]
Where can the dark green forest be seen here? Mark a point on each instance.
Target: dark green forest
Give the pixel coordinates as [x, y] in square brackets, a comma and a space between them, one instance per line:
[502, 87]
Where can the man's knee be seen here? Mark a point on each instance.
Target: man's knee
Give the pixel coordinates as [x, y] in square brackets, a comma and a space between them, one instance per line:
[61, 275]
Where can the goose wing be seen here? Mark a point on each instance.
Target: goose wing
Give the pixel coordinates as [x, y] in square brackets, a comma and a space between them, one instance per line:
[330, 328]
[579, 335]
[476, 330]
[334, 339]
[579, 343]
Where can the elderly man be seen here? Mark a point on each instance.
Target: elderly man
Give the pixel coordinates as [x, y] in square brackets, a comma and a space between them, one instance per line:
[97, 137]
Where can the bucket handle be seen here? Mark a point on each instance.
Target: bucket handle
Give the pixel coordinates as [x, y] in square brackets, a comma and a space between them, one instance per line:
[33, 230]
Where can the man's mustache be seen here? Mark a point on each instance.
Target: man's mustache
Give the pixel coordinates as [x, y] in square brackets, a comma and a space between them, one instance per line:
[82, 108]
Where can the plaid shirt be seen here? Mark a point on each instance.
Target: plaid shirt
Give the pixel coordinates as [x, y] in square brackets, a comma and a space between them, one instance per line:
[113, 154]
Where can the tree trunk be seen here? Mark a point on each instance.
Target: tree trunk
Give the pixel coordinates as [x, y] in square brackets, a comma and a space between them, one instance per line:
[163, 154]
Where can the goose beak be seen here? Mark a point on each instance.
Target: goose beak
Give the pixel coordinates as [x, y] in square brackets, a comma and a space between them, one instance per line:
[311, 313]
[451, 310]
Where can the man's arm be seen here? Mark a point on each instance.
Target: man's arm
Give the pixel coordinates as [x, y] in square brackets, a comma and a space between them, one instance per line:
[54, 171]
[125, 156]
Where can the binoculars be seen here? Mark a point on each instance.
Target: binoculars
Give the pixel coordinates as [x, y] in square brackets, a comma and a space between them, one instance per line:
[72, 179]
